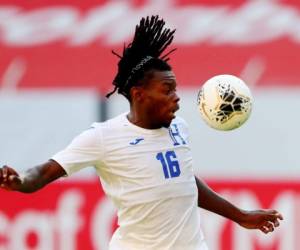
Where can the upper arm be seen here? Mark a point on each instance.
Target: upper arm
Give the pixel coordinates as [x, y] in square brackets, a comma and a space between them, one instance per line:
[85, 150]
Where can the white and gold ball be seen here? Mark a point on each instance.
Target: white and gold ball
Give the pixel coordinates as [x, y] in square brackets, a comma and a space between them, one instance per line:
[225, 102]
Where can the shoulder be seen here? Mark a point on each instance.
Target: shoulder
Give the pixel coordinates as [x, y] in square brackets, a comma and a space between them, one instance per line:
[181, 125]
[111, 128]
[112, 123]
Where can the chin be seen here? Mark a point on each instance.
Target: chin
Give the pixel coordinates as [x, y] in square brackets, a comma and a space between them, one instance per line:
[168, 123]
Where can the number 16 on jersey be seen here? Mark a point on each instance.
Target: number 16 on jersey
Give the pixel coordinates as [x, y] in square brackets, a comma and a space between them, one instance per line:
[170, 164]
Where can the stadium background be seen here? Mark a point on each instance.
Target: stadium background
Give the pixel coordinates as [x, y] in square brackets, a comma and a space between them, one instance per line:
[56, 66]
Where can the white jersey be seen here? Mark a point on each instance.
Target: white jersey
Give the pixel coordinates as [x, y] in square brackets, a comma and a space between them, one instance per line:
[149, 176]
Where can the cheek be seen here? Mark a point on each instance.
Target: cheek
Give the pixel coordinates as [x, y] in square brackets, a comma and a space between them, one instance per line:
[158, 105]
[156, 108]
[161, 106]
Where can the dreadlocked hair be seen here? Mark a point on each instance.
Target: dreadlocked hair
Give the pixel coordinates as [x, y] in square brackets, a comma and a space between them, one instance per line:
[143, 54]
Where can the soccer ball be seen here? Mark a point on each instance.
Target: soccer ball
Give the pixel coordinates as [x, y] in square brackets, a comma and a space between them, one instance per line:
[225, 102]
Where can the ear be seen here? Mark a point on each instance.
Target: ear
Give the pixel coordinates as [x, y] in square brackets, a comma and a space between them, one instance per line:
[137, 93]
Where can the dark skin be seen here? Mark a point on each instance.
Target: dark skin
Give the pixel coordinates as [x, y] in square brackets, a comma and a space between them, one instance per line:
[154, 104]
[161, 91]
[264, 220]
[33, 179]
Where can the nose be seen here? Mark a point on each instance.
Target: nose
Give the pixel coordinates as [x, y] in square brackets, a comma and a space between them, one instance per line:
[176, 97]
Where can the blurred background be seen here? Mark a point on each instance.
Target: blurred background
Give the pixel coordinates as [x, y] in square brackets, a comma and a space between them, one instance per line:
[56, 66]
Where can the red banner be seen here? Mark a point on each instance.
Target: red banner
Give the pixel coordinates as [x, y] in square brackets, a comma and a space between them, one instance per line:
[76, 215]
[49, 44]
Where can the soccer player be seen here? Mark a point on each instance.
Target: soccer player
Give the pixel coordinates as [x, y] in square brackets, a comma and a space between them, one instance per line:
[143, 158]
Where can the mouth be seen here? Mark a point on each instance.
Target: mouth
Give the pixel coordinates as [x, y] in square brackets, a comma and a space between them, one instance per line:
[174, 110]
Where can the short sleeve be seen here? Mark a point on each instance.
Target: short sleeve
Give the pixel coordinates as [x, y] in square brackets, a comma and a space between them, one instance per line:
[84, 151]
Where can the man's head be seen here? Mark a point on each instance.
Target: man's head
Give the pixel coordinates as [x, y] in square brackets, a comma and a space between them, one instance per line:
[143, 73]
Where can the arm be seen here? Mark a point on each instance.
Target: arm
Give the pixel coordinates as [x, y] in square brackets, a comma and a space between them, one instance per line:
[84, 150]
[33, 179]
[264, 220]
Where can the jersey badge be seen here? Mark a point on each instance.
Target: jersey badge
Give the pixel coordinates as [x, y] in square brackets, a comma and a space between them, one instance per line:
[136, 141]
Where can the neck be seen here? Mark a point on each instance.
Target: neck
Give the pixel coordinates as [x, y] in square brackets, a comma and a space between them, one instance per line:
[141, 119]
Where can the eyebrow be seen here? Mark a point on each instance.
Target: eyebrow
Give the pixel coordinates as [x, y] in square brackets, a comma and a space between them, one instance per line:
[170, 82]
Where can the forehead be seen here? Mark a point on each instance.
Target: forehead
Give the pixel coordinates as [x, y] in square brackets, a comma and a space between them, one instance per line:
[161, 78]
